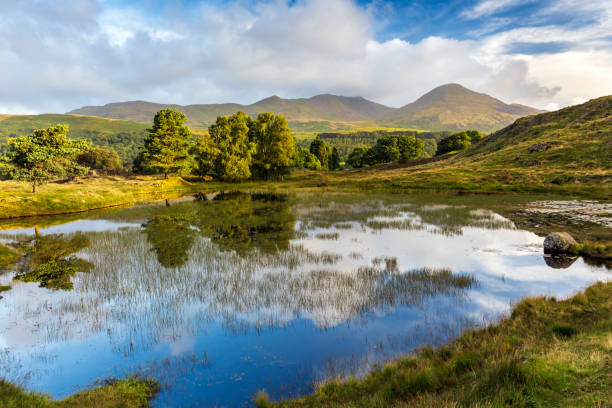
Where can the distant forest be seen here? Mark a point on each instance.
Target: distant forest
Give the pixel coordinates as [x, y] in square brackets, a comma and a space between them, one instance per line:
[345, 142]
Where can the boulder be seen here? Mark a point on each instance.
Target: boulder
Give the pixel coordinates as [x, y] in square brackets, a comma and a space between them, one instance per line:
[559, 243]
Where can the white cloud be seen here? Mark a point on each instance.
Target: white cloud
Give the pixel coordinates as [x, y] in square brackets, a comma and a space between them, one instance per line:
[66, 54]
[488, 7]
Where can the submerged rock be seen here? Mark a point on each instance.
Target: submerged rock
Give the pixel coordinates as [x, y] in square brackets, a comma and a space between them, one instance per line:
[559, 243]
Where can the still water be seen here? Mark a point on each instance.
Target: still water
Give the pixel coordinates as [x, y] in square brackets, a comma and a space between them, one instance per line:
[221, 295]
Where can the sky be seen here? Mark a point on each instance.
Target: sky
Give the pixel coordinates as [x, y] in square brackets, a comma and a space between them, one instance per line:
[59, 55]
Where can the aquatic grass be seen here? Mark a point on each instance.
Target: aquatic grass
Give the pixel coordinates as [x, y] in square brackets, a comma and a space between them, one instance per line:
[327, 235]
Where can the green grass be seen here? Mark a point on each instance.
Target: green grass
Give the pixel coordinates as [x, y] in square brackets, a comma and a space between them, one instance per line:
[86, 194]
[593, 250]
[546, 353]
[126, 393]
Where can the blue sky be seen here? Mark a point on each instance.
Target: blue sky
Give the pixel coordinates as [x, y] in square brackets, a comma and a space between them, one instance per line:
[59, 55]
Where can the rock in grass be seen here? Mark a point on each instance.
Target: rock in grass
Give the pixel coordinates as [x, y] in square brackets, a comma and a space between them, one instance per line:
[559, 243]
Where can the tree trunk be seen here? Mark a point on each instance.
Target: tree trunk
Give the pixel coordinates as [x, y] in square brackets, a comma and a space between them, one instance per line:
[165, 176]
[37, 231]
[167, 203]
[33, 188]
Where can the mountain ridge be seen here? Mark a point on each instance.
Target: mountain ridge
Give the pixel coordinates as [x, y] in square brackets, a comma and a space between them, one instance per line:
[447, 107]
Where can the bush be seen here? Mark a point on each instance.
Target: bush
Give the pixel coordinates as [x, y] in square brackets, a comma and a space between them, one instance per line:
[102, 160]
[458, 141]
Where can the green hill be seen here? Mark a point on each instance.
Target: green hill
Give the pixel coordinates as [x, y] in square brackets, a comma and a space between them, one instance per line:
[455, 108]
[123, 136]
[446, 108]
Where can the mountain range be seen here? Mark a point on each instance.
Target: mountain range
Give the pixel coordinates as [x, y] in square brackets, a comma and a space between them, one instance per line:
[448, 107]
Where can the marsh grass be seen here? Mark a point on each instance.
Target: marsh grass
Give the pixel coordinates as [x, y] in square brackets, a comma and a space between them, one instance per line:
[517, 362]
[327, 235]
[130, 392]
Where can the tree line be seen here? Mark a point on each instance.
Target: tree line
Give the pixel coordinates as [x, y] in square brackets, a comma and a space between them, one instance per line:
[237, 147]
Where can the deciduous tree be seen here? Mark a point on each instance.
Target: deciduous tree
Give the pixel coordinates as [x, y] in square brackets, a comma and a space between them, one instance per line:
[275, 146]
[45, 155]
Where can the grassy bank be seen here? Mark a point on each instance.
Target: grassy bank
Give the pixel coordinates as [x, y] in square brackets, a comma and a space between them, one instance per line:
[17, 200]
[127, 393]
[547, 353]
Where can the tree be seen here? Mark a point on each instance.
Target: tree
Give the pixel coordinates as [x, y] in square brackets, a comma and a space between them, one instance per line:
[166, 147]
[455, 142]
[205, 156]
[274, 145]
[321, 150]
[45, 155]
[475, 136]
[233, 155]
[357, 157]
[334, 159]
[104, 160]
[304, 159]
[409, 147]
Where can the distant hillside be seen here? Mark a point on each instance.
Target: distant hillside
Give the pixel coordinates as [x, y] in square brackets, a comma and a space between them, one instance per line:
[449, 107]
[320, 108]
[123, 136]
[453, 107]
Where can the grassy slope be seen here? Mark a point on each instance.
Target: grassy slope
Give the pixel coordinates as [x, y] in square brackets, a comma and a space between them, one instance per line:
[547, 353]
[127, 393]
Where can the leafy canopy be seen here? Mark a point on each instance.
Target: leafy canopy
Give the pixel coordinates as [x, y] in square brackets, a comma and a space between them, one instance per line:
[458, 141]
[166, 147]
[321, 150]
[45, 155]
[274, 145]
[228, 150]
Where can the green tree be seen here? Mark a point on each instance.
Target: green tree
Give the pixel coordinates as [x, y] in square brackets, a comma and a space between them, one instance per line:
[357, 157]
[334, 159]
[475, 136]
[104, 160]
[275, 146]
[455, 142]
[45, 155]
[166, 147]
[205, 156]
[409, 147]
[232, 150]
[304, 159]
[321, 150]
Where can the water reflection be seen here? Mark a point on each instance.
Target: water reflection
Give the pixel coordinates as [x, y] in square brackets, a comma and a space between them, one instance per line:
[224, 294]
[49, 260]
